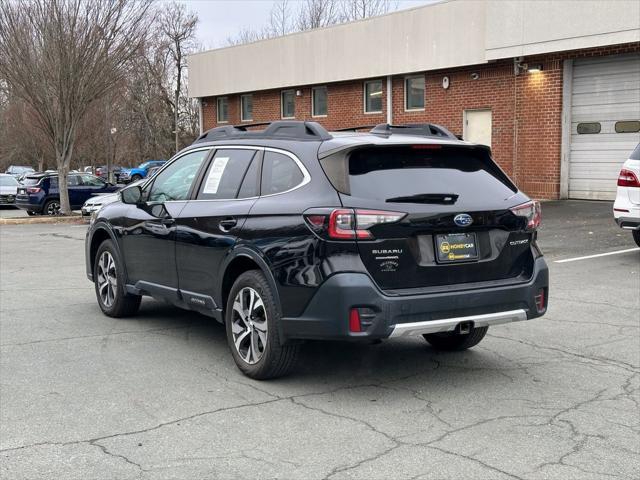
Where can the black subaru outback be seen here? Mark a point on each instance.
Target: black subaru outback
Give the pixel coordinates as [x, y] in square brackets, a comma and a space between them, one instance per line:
[292, 233]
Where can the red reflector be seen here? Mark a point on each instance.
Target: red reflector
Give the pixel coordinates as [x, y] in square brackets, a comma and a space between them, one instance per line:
[316, 220]
[540, 300]
[354, 320]
[627, 178]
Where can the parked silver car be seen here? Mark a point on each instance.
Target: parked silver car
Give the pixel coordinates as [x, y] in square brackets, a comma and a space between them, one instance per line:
[8, 189]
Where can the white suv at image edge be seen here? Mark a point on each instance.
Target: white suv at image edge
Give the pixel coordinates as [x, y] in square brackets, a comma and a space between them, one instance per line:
[626, 208]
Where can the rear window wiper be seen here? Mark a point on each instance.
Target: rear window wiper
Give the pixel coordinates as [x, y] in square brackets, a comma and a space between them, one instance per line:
[439, 198]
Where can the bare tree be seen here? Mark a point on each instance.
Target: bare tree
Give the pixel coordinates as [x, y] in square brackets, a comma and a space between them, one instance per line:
[60, 56]
[358, 9]
[247, 35]
[280, 19]
[317, 13]
[178, 28]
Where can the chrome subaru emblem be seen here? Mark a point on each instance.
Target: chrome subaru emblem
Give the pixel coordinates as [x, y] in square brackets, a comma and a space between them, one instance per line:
[463, 220]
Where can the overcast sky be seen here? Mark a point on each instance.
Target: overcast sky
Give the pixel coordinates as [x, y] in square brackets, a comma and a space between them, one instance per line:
[220, 19]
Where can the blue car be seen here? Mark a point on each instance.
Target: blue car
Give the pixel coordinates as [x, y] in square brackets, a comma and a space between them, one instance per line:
[39, 194]
[137, 173]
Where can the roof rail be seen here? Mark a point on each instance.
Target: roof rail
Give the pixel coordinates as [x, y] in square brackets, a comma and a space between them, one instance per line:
[354, 129]
[286, 129]
[420, 129]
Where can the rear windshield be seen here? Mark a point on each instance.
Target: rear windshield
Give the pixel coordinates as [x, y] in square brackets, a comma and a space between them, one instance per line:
[635, 155]
[386, 173]
[7, 181]
[31, 180]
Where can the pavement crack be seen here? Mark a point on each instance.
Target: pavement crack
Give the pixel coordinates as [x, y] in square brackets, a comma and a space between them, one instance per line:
[98, 335]
[608, 361]
[106, 451]
[475, 460]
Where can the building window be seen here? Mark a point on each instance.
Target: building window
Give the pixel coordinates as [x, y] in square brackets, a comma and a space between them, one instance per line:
[223, 109]
[246, 107]
[588, 128]
[319, 101]
[414, 93]
[373, 96]
[288, 103]
[627, 126]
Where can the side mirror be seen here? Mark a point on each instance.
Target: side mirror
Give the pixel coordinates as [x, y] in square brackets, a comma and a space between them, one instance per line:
[131, 195]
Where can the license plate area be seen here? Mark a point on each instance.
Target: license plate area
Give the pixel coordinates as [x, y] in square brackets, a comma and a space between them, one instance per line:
[456, 247]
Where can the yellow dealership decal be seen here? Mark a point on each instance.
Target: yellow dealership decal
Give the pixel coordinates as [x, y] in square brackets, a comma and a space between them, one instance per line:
[446, 247]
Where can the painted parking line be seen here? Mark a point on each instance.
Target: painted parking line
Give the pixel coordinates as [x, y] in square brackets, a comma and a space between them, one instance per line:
[597, 255]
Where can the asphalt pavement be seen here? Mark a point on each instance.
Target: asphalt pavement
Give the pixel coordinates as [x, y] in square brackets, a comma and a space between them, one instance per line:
[157, 396]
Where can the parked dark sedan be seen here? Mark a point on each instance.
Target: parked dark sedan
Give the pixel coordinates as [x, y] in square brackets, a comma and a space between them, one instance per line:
[39, 194]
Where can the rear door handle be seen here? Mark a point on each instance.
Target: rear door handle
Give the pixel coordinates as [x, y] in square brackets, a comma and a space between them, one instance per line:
[227, 224]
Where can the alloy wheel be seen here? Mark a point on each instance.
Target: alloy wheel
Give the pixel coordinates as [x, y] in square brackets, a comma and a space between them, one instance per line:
[249, 325]
[53, 208]
[107, 280]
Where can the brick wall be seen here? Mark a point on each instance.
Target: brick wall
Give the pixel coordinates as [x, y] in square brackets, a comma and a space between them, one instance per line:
[526, 111]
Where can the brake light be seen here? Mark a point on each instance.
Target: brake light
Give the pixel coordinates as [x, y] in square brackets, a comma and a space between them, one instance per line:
[627, 178]
[33, 189]
[531, 211]
[349, 224]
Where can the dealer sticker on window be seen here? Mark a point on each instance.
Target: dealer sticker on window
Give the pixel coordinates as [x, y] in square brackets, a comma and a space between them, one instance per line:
[215, 174]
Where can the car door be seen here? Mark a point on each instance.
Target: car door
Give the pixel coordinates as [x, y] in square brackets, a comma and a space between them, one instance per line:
[209, 225]
[73, 188]
[148, 230]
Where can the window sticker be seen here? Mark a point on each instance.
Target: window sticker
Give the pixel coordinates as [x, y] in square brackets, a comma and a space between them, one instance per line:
[215, 174]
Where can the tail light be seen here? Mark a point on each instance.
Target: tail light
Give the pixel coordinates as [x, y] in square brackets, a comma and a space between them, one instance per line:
[627, 178]
[531, 211]
[350, 224]
[33, 189]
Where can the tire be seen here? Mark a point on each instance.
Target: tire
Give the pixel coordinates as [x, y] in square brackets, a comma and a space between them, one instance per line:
[636, 236]
[52, 207]
[264, 360]
[113, 299]
[30, 213]
[451, 341]
[135, 178]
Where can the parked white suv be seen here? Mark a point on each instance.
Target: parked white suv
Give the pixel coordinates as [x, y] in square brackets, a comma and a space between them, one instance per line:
[626, 208]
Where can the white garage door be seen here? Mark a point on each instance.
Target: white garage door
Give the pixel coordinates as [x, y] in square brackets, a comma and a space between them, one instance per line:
[605, 123]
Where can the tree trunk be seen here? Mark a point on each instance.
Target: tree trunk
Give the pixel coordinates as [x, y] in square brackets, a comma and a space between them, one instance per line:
[63, 173]
[175, 116]
[63, 160]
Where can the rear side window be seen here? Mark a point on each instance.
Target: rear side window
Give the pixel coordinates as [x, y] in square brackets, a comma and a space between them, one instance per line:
[398, 173]
[280, 173]
[31, 180]
[225, 174]
[72, 181]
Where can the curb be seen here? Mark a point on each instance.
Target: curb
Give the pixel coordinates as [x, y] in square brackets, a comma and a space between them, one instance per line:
[73, 219]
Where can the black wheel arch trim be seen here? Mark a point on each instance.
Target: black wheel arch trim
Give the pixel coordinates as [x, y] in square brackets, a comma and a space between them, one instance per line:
[245, 251]
[106, 227]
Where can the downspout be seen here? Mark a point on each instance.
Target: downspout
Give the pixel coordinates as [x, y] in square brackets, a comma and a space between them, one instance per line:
[389, 101]
[200, 115]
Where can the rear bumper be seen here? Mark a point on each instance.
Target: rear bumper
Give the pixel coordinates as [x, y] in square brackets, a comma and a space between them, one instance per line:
[628, 223]
[327, 315]
[29, 203]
